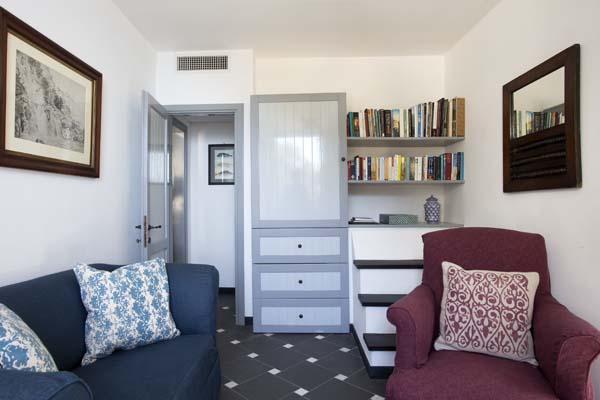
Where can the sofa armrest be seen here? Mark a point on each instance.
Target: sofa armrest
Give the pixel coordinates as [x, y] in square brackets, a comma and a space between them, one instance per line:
[565, 347]
[413, 316]
[24, 385]
[193, 290]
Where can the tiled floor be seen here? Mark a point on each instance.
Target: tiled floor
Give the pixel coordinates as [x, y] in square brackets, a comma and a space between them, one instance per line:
[289, 366]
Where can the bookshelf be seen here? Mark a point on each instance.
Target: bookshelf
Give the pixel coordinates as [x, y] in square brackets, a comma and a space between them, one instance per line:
[418, 225]
[402, 141]
[429, 182]
[427, 136]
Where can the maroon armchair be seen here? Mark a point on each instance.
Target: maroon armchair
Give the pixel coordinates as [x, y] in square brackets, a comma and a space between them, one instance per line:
[565, 345]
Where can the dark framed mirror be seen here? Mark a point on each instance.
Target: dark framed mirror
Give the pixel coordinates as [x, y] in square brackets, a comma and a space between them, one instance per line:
[540, 116]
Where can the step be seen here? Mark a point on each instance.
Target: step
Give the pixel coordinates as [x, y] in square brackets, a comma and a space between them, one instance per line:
[379, 300]
[388, 264]
[379, 371]
[380, 341]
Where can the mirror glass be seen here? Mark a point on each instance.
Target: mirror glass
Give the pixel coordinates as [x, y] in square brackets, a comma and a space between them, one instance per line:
[539, 105]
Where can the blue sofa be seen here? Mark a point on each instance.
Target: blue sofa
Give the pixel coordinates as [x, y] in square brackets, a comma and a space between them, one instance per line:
[183, 368]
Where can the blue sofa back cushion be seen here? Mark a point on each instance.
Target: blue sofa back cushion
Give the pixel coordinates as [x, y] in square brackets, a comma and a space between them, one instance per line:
[20, 348]
[51, 306]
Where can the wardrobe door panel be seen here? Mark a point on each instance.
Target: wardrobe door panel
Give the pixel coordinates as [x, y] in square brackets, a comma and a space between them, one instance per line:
[299, 143]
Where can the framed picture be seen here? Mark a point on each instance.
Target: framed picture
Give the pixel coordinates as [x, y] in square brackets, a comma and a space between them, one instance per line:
[221, 164]
[50, 104]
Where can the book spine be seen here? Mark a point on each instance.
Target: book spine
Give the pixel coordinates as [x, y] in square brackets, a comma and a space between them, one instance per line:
[387, 114]
[460, 116]
[355, 125]
[396, 121]
[448, 168]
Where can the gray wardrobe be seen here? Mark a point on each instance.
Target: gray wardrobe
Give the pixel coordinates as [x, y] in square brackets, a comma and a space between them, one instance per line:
[299, 213]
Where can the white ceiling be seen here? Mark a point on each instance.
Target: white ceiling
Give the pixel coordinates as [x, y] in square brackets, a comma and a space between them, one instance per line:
[290, 28]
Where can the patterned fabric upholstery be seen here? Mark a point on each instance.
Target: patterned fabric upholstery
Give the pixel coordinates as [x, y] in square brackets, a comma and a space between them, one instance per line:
[127, 308]
[488, 312]
[20, 348]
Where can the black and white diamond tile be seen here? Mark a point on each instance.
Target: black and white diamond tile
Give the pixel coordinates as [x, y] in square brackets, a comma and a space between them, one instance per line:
[289, 366]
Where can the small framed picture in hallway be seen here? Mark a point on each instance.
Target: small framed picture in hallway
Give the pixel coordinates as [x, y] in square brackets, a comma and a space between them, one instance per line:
[220, 164]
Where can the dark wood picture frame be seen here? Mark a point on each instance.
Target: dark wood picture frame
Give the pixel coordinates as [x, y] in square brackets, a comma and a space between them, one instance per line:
[549, 158]
[211, 164]
[13, 25]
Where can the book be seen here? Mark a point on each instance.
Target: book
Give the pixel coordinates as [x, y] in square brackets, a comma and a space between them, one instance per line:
[460, 116]
[396, 119]
[387, 123]
[362, 220]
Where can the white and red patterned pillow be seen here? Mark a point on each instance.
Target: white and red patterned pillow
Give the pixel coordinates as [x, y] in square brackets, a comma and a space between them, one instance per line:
[488, 312]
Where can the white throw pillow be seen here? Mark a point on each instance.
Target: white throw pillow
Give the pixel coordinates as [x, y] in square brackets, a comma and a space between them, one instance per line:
[20, 347]
[127, 308]
[488, 312]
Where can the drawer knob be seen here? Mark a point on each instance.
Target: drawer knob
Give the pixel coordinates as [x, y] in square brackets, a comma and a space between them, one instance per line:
[300, 281]
[299, 245]
[300, 316]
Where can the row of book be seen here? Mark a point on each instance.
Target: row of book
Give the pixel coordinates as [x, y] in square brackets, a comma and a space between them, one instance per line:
[526, 122]
[445, 167]
[445, 118]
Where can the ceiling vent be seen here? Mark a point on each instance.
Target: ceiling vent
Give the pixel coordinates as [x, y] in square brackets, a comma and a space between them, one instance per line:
[202, 63]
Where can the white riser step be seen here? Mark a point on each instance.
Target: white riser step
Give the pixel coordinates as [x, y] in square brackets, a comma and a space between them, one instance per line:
[376, 320]
[381, 281]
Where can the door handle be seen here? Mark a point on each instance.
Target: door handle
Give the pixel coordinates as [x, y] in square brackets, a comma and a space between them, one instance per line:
[150, 227]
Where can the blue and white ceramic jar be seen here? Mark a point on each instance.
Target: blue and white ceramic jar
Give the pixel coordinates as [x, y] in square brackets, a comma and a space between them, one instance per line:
[432, 210]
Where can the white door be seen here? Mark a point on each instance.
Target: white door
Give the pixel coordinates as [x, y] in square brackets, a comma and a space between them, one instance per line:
[156, 181]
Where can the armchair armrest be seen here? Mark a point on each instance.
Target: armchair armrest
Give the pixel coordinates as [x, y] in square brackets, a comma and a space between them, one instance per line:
[413, 316]
[193, 290]
[24, 385]
[565, 347]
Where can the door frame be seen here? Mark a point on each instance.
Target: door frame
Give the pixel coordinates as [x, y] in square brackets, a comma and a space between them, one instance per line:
[237, 109]
[177, 123]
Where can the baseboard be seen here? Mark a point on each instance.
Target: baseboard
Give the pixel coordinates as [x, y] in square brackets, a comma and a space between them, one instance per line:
[248, 321]
[226, 290]
[373, 372]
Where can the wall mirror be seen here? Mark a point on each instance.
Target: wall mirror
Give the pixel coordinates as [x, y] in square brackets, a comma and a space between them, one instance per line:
[541, 126]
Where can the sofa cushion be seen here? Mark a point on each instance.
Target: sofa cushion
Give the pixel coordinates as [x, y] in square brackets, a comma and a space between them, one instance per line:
[488, 312]
[127, 308]
[20, 347]
[451, 375]
[51, 306]
[169, 370]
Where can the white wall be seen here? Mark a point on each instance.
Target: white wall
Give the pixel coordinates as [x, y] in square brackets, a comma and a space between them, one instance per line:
[216, 87]
[370, 82]
[51, 221]
[505, 44]
[211, 209]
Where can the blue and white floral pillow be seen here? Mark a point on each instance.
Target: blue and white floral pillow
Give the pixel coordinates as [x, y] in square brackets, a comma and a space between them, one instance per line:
[127, 308]
[20, 347]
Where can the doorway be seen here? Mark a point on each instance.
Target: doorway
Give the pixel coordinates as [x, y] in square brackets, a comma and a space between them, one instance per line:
[208, 219]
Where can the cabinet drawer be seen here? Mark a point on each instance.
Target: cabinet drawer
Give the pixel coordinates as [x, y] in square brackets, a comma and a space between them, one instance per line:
[325, 245]
[300, 280]
[301, 315]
